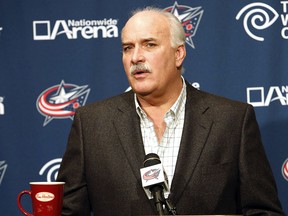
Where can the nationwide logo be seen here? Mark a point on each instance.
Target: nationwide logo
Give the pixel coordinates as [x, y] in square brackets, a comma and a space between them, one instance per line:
[258, 97]
[61, 101]
[74, 29]
[259, 16]
[51, 168]
[2, 109]
[3, 167]
[285, 169]
[190, 19]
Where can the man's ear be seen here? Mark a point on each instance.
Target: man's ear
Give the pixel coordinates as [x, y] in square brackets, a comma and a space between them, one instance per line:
[180, 55]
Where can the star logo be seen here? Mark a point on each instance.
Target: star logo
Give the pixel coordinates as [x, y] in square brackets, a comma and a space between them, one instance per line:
[190, 19]
[61, 101]
[62, 96]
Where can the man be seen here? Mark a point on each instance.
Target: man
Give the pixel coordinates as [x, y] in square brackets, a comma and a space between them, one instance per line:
[210, 146]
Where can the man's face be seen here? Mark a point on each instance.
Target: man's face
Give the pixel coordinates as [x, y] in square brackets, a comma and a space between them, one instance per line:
[147, 49]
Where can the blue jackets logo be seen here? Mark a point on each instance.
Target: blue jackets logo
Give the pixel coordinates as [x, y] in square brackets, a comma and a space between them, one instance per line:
[285, 169]
[189, 17]
[61, 101]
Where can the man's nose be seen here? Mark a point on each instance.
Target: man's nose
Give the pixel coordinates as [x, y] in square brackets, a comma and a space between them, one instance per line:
[137, 55]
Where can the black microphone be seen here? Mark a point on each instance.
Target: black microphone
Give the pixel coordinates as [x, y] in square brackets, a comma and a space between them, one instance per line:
[155, 181]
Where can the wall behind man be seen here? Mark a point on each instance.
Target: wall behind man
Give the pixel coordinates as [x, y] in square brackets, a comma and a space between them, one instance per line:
[58, 55]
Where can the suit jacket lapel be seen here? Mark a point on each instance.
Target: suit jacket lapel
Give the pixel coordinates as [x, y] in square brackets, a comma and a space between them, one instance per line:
[195, 132]
[127, 125]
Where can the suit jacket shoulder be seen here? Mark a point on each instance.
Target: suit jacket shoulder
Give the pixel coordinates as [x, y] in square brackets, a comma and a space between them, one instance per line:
[124, 100]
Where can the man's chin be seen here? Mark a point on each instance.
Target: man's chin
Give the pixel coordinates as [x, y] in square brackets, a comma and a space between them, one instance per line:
[141, 92]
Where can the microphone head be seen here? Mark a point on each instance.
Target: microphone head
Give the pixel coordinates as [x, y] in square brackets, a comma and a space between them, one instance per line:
[151, 159]
[153, 174]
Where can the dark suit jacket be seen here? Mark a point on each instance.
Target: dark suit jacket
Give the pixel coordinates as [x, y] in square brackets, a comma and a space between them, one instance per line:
[221, 167]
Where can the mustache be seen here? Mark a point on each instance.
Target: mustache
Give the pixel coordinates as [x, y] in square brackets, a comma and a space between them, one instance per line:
[139, 67]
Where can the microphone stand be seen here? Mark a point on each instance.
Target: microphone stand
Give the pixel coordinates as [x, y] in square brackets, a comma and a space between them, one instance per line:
[170, 207]
[159, 199]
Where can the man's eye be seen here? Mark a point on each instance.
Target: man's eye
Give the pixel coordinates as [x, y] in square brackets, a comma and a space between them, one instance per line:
[127, 48]
[150, 45]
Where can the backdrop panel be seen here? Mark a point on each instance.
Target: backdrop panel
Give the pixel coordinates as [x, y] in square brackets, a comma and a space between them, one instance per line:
[51, 50]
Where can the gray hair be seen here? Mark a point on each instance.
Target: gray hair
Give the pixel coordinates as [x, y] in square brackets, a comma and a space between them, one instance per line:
[177, 34]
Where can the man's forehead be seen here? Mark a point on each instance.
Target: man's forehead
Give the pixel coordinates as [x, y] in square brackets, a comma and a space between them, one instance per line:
[145, 27]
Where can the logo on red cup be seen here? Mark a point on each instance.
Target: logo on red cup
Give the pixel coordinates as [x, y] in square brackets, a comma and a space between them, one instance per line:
[44, 196]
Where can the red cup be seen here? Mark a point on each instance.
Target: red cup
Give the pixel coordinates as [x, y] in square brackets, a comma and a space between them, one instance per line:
[47, 198]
